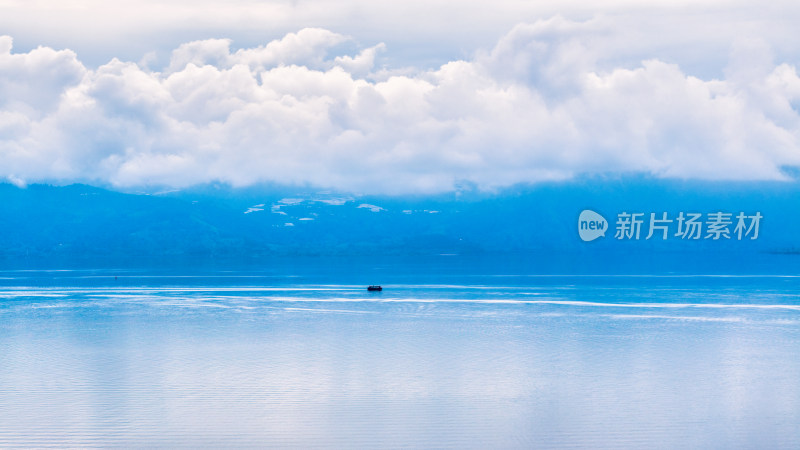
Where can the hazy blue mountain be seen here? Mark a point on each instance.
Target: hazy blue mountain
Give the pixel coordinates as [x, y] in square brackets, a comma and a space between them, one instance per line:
[219, 221]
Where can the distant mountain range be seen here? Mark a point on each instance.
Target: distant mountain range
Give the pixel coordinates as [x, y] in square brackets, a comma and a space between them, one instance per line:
[42, 221]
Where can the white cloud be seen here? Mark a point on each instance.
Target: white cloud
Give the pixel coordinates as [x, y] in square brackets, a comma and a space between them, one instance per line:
[547, 101]
[32, 82]
[307, 47]
[420, 33]
[362, 63]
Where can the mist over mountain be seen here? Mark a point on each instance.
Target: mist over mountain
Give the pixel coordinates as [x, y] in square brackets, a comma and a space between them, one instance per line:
[216, 221]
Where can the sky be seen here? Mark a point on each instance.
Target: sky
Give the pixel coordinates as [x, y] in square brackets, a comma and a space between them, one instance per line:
[380, 97]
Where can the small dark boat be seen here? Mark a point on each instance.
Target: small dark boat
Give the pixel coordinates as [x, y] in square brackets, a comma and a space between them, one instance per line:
[374, 288]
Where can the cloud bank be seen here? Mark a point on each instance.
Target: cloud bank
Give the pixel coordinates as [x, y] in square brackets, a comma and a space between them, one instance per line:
[545, 102]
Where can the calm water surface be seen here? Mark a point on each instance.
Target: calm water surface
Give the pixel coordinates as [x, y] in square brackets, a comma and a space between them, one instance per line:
[163, 358]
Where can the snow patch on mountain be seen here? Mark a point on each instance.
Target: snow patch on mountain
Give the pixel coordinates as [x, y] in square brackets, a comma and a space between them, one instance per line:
[372, 208]
[255, 208]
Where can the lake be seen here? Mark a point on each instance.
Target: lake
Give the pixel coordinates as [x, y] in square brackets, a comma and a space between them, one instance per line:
[451, 354]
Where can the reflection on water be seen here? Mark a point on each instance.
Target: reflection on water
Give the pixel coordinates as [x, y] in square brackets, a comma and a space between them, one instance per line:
[523, 362]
